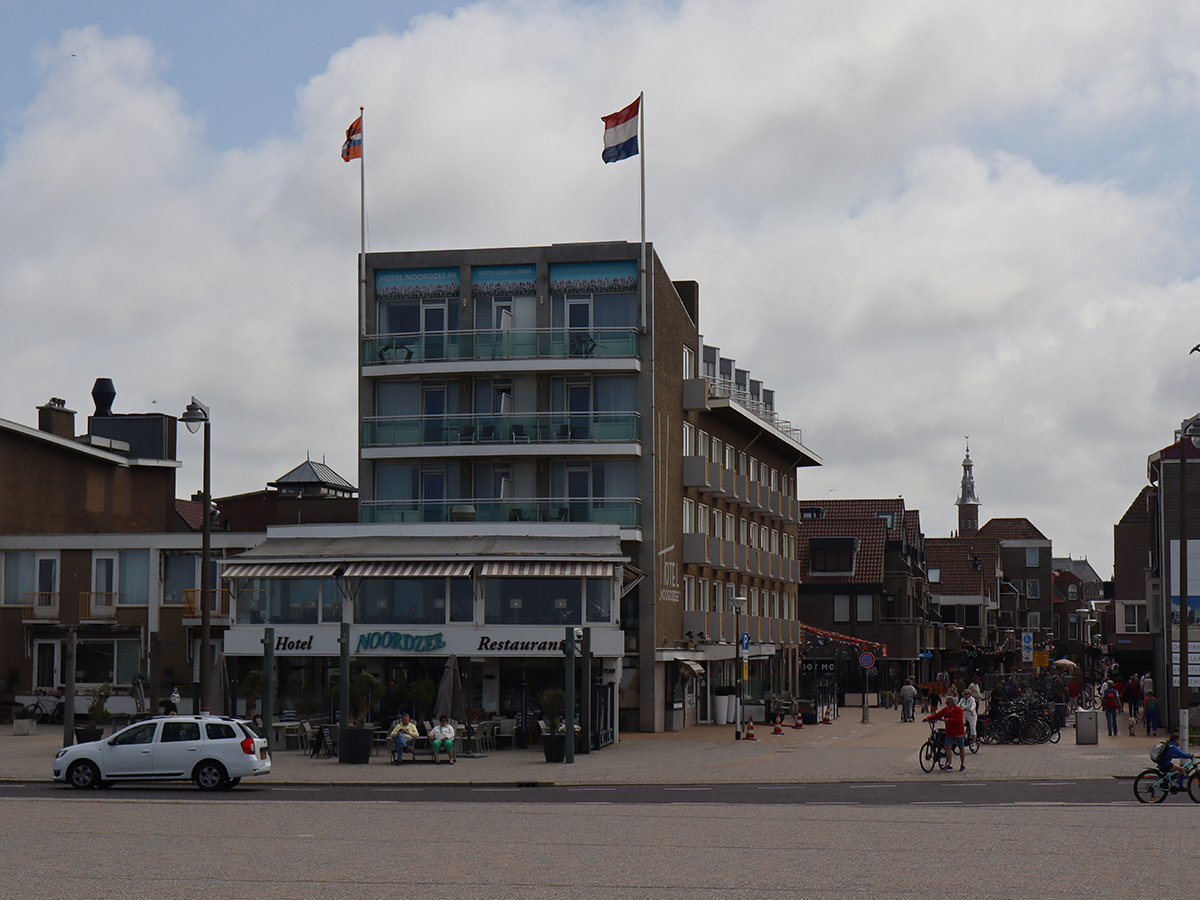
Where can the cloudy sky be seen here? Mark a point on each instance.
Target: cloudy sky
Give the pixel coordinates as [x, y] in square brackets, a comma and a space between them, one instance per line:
[916, 221]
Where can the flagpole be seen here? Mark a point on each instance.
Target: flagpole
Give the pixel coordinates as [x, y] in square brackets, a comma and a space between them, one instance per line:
[362, 227]
[642, 164]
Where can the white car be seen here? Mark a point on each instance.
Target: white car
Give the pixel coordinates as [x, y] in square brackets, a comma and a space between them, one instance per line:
[216, 752]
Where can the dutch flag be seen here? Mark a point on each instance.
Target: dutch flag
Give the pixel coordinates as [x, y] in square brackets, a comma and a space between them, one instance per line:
[621, 133]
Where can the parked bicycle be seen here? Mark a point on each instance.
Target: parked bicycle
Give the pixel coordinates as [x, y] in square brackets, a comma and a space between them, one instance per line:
[47, 708]
[1153, 785]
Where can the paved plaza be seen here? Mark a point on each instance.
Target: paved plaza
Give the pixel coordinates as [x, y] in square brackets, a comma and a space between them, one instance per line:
[884, 749]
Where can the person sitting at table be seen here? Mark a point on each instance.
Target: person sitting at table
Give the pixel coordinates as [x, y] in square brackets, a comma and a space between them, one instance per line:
[402, 736]
[442, 738]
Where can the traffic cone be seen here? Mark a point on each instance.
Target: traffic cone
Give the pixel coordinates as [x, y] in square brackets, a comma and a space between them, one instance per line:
[826, 719]
[749, 735]
[799, 723]
[778, 724]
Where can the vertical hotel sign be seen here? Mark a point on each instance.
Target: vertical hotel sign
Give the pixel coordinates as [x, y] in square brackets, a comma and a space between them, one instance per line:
[1193, 592]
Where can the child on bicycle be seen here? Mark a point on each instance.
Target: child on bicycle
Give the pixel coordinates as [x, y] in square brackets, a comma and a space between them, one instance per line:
[1174, 752]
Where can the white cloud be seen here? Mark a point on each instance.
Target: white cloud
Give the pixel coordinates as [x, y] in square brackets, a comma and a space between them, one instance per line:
[857, 187]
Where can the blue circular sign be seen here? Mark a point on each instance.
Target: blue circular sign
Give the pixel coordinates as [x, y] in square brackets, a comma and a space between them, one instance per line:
[867, 659]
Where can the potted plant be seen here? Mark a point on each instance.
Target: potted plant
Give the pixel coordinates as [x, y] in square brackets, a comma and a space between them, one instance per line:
[252, 688]
[554, 744]
[98, 715]
[24, 720]
[355, 743]
[422, 694]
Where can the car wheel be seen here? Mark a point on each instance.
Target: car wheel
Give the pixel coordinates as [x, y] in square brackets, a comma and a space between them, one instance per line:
[105, 784]
[210, 775]
[83, 774]
[232, 783]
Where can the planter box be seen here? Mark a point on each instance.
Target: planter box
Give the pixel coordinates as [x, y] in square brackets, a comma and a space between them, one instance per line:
[355, 746]
[554, 746]
[24, 726]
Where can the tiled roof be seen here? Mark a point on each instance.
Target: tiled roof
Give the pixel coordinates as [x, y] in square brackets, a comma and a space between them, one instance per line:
[854, 509]
[1080, 568]
[955, 558]
[1010, 530]
[191, 512]
[869, 530]
[1139, 510]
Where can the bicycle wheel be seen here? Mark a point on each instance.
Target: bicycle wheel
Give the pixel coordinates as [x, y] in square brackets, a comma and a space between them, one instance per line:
[973, 743]
[928, 756]
[1150, 787]
[1055, 734]
[1193, 786]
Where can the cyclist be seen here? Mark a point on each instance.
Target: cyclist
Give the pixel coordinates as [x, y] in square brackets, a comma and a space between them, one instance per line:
[1173, 753]
[955, 731]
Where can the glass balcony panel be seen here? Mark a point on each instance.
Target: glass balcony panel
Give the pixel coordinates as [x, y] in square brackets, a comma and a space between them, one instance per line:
[540, 343]
[623, 512]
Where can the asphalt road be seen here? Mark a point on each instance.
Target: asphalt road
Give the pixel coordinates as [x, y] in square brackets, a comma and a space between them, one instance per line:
[940, 788]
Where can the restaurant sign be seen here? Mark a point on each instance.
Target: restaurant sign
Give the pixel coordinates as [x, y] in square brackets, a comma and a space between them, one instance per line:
[399, 640]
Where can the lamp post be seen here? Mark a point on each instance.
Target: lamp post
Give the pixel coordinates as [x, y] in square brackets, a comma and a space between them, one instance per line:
[740, 662]
[1188, 429]
[193, 417]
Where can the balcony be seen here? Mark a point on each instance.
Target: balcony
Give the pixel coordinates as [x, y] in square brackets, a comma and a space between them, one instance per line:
[531, 428]
[97, 606]
[218, 609]
[718, 627]
[537, 343]
[623, 512]
[40, 606]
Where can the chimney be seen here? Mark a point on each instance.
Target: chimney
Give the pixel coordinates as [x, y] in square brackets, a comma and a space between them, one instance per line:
[54, 418]
[103, 394]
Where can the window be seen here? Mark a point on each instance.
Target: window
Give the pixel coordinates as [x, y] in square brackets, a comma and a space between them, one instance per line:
[689, 363]
[841, 607]
[134, 571]
[971, 616]
[689, 592]
[1056, 624]
[865, 608]
[689, 516]
[702, 519]
[832, 554]
[1072, 627]
[1031, 557]
[935, 574]
[705, 599]
[702, 443]
[1135, 618]
[218, 731]
[812, 512]
[139, 734]
[112, 661]
[174, 732]
[1033, 621]
[533, 601]
[179, 575]
[599, 599]
[689, 439]
[1032, 589]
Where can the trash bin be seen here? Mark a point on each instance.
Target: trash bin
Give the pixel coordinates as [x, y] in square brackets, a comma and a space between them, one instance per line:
[1086, 727]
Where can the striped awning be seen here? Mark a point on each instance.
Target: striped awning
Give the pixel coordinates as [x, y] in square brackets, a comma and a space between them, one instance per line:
[280, 570]
[398, 569]
[532, 567]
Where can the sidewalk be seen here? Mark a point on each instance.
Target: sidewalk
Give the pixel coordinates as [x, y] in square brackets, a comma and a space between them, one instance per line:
[848, 750]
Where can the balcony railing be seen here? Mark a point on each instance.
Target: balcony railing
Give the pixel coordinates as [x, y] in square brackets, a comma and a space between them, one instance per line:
[529, 428]
[98, 605]
[624, 512]
[219, 603]
[40, 605]
[536, 343]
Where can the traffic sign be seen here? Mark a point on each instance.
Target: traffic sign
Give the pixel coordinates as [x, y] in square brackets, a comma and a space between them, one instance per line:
[745, 644]
[867, 659]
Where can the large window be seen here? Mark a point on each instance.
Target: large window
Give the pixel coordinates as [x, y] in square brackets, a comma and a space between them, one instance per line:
[111, 661]
[533, 601]
[865, 608]
[841, 607]
[832, 554]
[406, 601]
[179, 575]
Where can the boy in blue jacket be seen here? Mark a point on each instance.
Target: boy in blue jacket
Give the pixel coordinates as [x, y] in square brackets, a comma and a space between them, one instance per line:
[1173, 753]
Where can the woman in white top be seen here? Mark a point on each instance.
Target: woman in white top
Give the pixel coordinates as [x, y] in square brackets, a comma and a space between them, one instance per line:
[970, 712]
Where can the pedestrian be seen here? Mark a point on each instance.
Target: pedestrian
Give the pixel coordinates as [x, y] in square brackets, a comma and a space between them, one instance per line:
[1111, 703]
[908, 697]
[1147, 685]
[1151, 715]
[955, 729]
[1133, 696]
[970, 712]
[442, 738]
[975, 689]
[1119, 687]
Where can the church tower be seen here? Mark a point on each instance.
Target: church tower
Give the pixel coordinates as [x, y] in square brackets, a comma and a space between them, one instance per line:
[967, 502]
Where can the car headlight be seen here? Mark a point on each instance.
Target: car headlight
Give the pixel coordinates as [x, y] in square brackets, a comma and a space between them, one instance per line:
[61, 753]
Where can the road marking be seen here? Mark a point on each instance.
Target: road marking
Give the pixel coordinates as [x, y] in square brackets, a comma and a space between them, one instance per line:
[496, 790]
[592, 789]
[310, 789]
[1049, 783]
[869, 786]
[687, 789]
[935, 802]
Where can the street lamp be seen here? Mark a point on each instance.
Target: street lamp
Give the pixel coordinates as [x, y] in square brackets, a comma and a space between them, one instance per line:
[738, 603]
[1189, 428]
[193, 417]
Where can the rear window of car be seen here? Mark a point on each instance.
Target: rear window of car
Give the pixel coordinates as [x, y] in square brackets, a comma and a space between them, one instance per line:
[219, 731]
[180, 731]
[250, 729]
